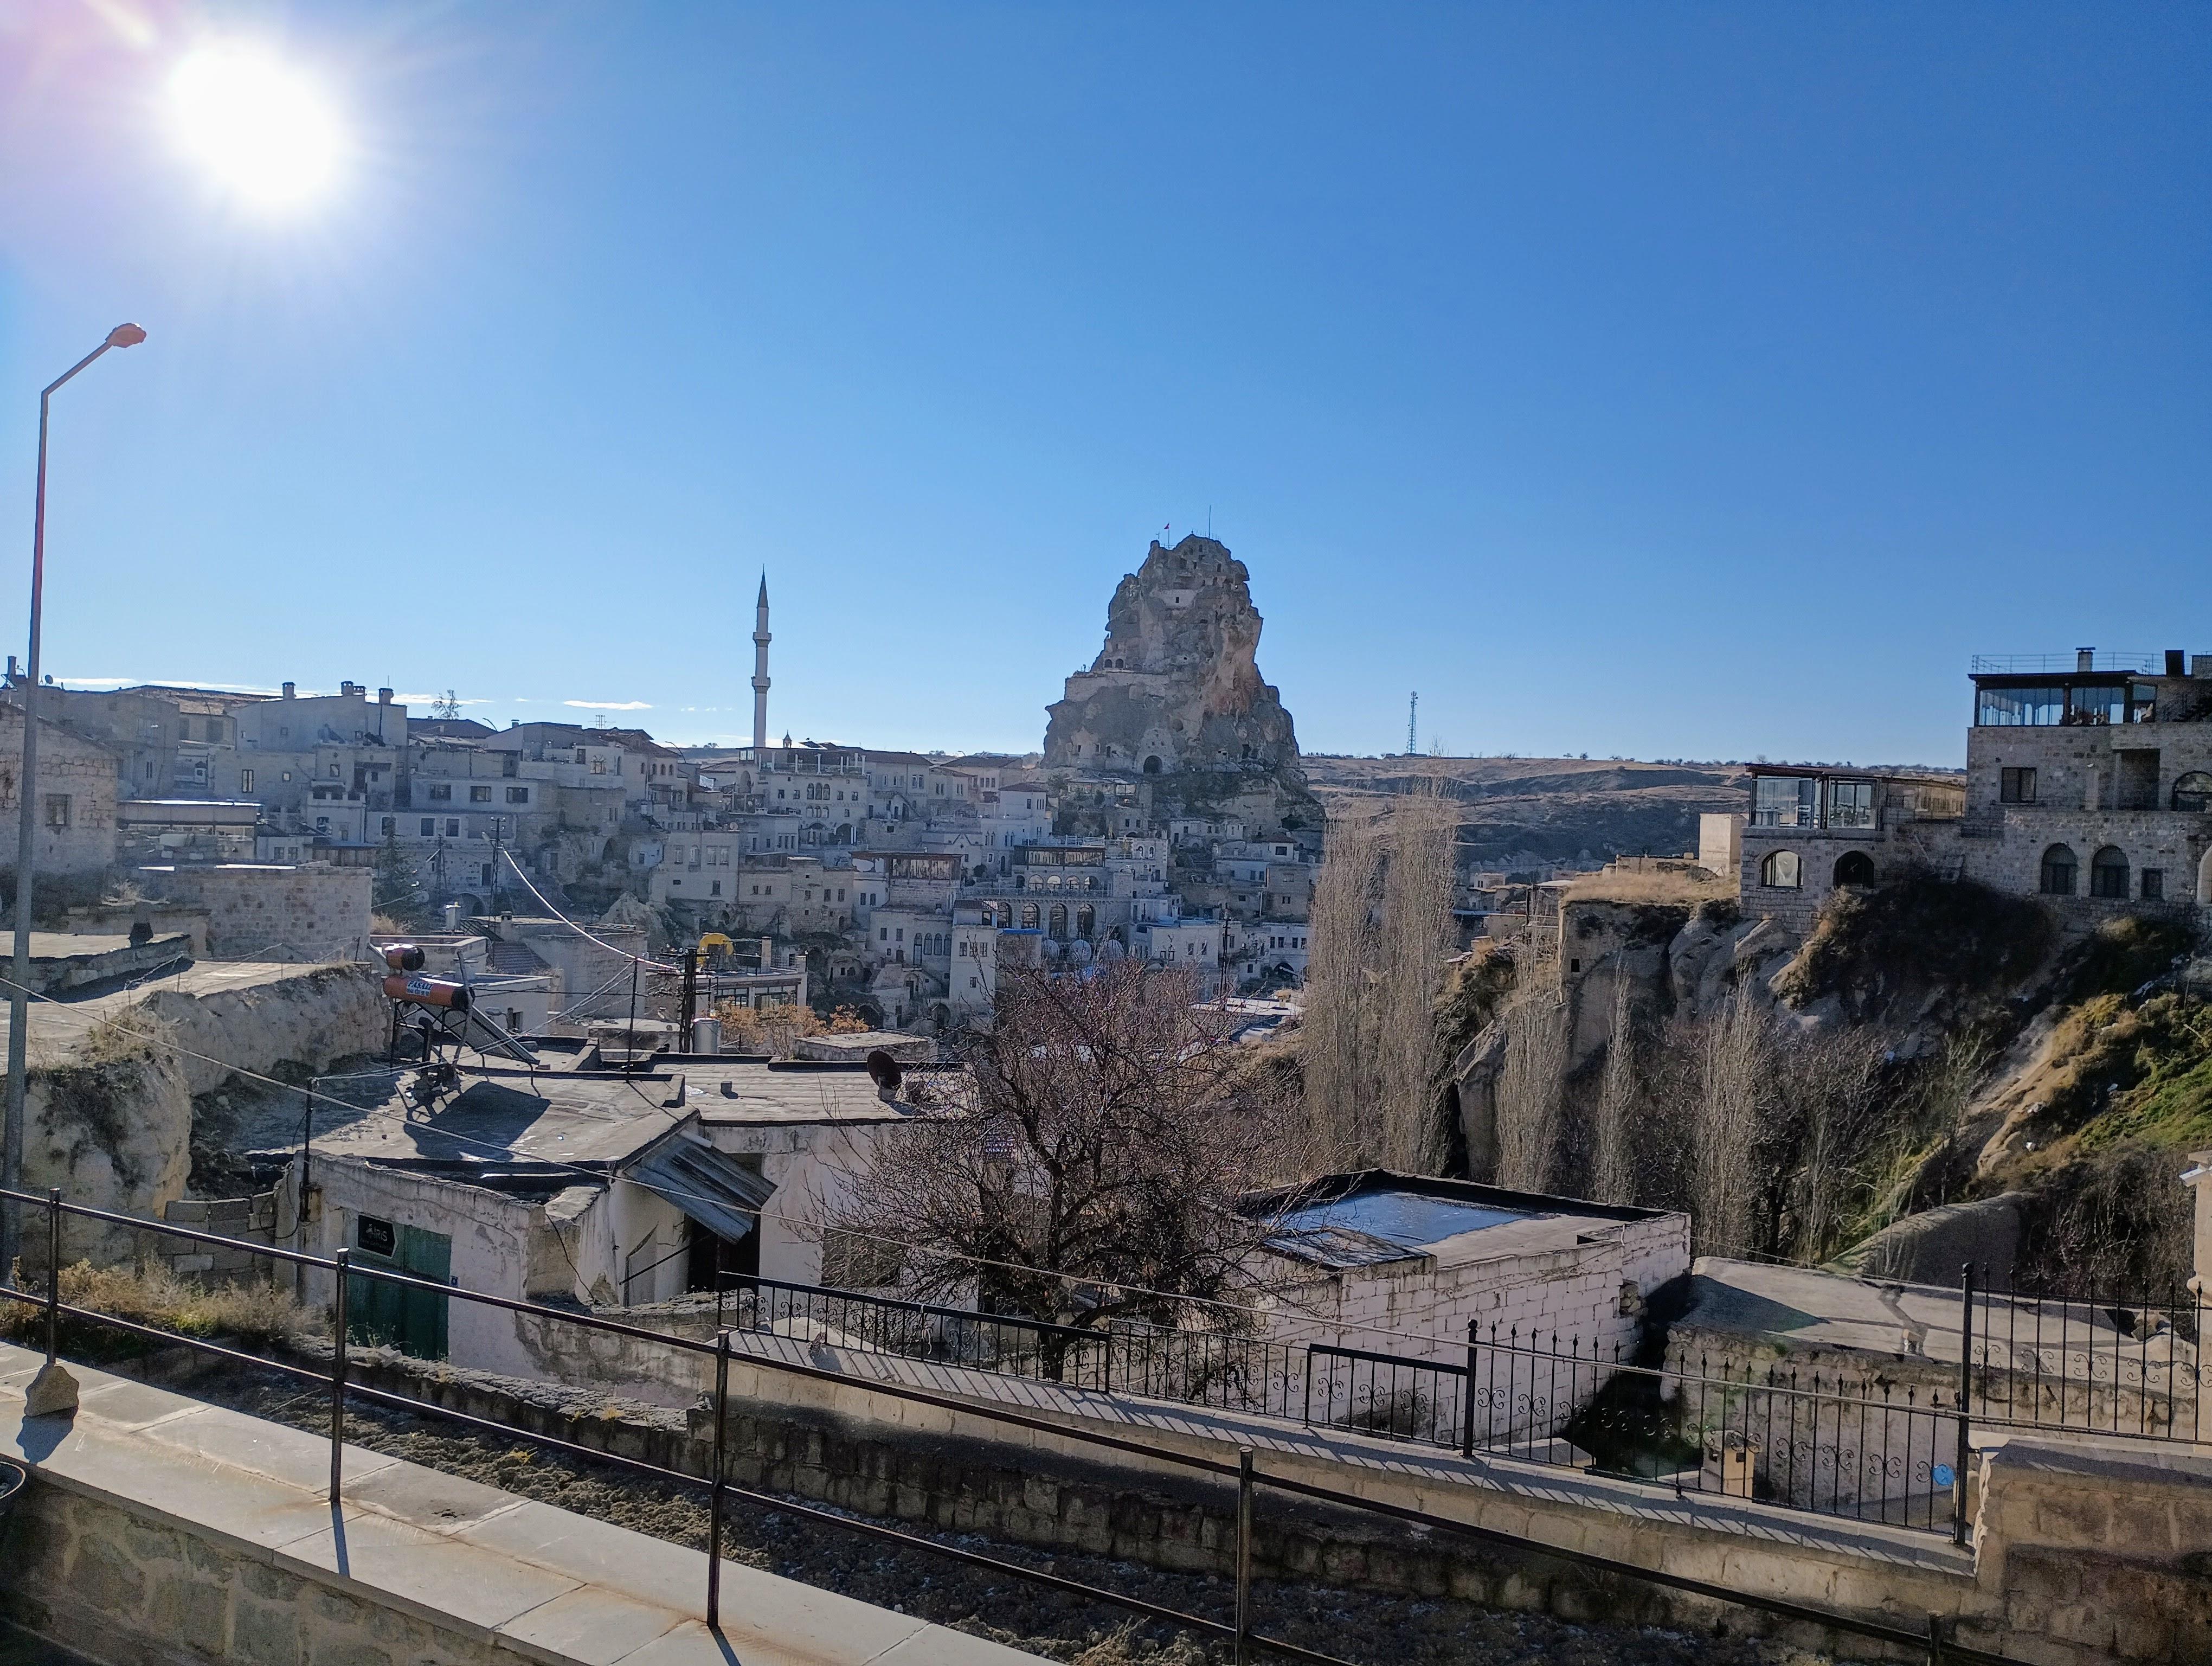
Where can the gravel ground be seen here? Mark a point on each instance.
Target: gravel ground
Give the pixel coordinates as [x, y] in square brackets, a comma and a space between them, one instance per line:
[1371, 1629]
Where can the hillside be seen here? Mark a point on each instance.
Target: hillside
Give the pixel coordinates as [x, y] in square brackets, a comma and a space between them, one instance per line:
[1516, 810]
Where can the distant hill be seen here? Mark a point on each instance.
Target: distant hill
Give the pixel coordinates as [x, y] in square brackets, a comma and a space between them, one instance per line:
[1547, 809]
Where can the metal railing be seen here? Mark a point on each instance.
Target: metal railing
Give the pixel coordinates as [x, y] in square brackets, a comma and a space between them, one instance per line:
[2008, 665]
[2109, 1362]
[1239, 1632]
[1829, 1445]
[1866, 1449]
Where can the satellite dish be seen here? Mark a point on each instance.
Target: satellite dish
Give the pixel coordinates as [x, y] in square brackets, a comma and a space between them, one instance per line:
[884, 1071]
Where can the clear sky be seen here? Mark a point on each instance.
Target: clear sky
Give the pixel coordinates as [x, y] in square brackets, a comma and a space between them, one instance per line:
[1652, 379]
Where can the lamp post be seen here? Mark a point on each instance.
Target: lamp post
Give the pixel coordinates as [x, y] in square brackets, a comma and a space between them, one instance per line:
[26, 828]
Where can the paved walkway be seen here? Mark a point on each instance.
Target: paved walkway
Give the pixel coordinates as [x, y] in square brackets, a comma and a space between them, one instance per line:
[554, 1586]
[1450, 1484]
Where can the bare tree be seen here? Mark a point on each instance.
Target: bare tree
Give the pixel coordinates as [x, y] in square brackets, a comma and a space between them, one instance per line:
[1729, 1127]
[1340, 1017]
[1613, 1151]
[1383, 934]
[1094, 1154]
[1531, 1084]
[1419, 936]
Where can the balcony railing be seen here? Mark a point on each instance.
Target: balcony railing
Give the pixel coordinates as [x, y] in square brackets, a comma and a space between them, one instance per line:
[2016, 665]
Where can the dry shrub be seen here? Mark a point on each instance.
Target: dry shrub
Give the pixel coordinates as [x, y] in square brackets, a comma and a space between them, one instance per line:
[1688, 890]
[251, 1312]
[1531, 1088]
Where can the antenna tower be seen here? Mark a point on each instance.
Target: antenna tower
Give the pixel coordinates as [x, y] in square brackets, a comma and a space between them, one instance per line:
[1412, 720]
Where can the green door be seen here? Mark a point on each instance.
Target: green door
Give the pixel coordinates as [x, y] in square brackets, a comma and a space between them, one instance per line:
[393, 1315]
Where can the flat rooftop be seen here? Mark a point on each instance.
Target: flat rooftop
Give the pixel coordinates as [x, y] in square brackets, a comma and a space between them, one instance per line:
[1368, 1218]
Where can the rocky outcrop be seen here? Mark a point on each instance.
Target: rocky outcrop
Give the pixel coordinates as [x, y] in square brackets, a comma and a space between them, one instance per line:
[110, 1120]
[1174, 703]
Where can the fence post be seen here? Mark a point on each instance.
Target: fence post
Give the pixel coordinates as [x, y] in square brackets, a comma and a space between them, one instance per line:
[714, 1491]
[1243, 1553]
[1106, 1379]
[1965, 1400]
[1306, 1418]
[1467, 1398]
[339, 1371]
[53, 1268]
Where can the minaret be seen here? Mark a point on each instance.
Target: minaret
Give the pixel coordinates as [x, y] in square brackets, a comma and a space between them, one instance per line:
[760, 667]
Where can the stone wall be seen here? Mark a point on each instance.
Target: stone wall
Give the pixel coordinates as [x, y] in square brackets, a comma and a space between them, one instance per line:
[2081, 1554]
[72, 768]
[128, 1587]
[264, 1219]
[261, 911]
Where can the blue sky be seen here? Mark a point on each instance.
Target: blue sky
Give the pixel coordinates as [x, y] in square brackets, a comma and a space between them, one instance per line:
[1681, 380]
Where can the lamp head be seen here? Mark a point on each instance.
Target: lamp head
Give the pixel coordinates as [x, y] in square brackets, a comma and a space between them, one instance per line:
[125, 335]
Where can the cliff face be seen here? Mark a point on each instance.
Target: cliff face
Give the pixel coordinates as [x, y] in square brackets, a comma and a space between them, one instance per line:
[1175, 703]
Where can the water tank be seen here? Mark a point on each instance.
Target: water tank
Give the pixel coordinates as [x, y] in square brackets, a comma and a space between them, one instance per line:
[453, 917]
[706, 1034]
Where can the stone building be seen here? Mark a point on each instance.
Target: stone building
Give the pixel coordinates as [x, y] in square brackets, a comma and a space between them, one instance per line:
[1812, 829]
[76, 792]
[2090, 781]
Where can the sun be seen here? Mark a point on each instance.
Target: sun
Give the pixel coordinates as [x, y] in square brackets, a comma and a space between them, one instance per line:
[264, 131]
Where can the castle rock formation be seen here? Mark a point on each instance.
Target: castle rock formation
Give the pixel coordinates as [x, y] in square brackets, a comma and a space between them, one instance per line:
[1174, 706]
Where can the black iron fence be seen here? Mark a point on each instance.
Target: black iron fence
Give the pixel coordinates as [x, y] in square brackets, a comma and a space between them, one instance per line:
[1238, 1630]
[1864, 1448]
[1192, 1366]
[2111, 1361]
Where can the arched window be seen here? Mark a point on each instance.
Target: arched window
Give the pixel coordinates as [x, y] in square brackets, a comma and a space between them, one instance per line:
[2058, 867]
[2108, 872]
[2193, 792]
[1781, 871]
[1086, 920]
[1058, 928]
[1854, 867]
[1029, 916]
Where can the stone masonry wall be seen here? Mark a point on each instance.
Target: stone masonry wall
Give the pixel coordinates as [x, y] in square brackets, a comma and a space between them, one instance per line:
[256, 911]
[131, 1589]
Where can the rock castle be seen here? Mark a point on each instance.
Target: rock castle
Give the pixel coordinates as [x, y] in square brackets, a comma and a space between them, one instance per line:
[1174, 706]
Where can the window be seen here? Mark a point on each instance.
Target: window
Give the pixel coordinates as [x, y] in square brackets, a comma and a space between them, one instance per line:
[57, 810]
[2193, 790]
[2108, 872]
[1783, 801]
[518, 795]
[287, 776]
[429, 826]
[245, 780]
[2058, 868]
[1850, 804]
[2154, 885]
[581, 755]
[441, 792]
[334, 772]
[2016, 787]
[391, 827]
[479, 795]
[2033, 708]
[1781, 871]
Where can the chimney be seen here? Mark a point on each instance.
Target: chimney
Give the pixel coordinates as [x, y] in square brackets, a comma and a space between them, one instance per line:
[2201, 665]
[291, 690]
[2176, 663]
[2085, 659]
[383, 697]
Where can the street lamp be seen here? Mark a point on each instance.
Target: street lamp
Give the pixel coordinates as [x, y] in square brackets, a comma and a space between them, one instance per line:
[26, 830]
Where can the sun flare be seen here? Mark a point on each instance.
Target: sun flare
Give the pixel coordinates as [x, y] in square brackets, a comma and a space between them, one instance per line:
[264, 131]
